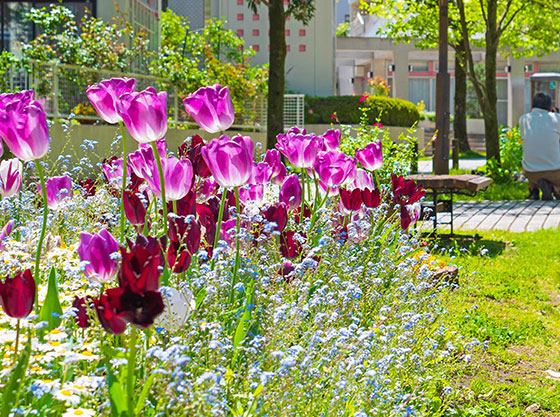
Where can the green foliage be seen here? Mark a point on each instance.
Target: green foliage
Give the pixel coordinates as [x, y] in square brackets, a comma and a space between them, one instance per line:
[7, 60]
[398, 156]
[388, 111]
[92, 44]
[216, 49]
[301, 10]
[511, 151]
[12, 389]
[342, 30]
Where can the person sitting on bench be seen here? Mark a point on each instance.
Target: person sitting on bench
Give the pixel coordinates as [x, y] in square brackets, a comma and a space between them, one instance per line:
[540, 132]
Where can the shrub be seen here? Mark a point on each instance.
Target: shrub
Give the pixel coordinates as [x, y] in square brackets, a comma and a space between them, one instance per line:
[511, 152]
[389, 111]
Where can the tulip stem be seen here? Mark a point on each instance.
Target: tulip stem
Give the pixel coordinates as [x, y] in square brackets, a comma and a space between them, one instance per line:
[131, 367]
[124, 179]
[219, 224]
[302, 195]
[43, 229]
[376, 180]
[17, 340]
[162, 186]
[237, 239]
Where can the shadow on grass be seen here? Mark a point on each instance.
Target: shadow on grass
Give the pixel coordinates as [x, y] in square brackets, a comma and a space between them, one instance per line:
[471, 245]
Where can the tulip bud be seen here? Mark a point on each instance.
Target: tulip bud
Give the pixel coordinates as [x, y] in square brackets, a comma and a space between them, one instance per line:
[18, 294]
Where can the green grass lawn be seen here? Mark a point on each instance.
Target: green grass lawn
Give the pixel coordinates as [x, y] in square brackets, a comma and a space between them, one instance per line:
[508, 298]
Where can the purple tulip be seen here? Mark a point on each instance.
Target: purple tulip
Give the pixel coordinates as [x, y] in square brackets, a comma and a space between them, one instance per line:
[290, 193]
[230, 160]
[253, 192]
[113, 169]
[371, 157]
[105, 96]
[331, 140]
[10, 177]
[301, 150]
[211, 107]
[334, 168]
[58, 188]
[260, 173]
[144, 114]
[177, 173]
[23, 126]
[98, 250]
[273, 159]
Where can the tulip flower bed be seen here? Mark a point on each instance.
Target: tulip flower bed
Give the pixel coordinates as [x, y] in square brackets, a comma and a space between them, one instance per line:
[210, 280]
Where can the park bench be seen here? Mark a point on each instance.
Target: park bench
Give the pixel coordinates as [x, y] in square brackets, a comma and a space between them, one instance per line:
[446, 185]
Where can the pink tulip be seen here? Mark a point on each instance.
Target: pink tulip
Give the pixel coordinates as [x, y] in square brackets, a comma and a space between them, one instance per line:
[113, 169]
[371, 157]
[301, 150]
[105, 96]
[363, 179]
[177, 173]
[334, 168]
[211, 107]
[10, 177]
[23, 126]
[290, 193]
[144, 114]
[331, 140]
[5, 232]
[97, 250]
[273, 159]
[230, 160]
[58, 188]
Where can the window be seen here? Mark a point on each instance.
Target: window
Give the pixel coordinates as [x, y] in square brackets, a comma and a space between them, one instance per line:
[255, 32]
[256, 17]
[256, 48]
[301, 32]
[288, 48]
[240, 32]
[240, 2]
[240, 16]
[287, 32]
[301, 48]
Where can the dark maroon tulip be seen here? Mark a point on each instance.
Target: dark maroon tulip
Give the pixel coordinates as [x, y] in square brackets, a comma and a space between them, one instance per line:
[306, 213]
[18, 294]
[193, 152]
[89, 187]
[286, 270]
[134, 208]
[278, 214]
[185, 229]
[406, 192]
[140, 267]
[178, 257]
[289, 247]
[107, 313]
[138, 308]
[371, 198]
[185, 206]
[83, 306]
[351, 200]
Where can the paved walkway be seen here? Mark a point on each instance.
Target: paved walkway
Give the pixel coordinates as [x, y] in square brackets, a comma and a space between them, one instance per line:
[515, 216]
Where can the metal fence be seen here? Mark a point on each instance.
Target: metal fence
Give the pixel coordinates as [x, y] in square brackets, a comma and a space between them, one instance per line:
[63, 89]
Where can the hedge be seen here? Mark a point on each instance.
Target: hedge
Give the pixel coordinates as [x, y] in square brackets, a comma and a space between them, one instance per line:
[393, 111]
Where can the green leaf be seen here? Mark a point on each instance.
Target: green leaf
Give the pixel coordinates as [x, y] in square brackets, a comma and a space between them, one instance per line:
[144, 393]
[165, 276]
[13, 388]
[51, 311]
[117, 396]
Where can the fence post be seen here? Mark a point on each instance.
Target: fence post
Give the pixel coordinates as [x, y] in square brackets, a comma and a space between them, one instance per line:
[455, 153]
[55, 91]
[175, 105]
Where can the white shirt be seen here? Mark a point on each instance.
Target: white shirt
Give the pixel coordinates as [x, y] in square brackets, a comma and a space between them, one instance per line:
[540, 131]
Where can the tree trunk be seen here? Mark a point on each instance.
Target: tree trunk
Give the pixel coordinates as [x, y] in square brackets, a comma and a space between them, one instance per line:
[460, 103]
[276, 75]
[489, 106]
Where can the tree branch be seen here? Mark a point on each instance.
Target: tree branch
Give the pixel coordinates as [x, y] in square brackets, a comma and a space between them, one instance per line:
[481, 11]
[501, 28]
